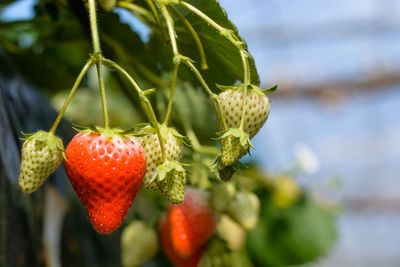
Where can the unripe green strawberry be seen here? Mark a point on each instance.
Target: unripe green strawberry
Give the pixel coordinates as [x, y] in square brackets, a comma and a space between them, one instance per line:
[235, 143]
[170, 178]
[245, 209]
[42, 154]
[235, 140]
[218, 254]
[139, 243]
[233, 233]
[173, 145]
[221, 195]
[257, 108]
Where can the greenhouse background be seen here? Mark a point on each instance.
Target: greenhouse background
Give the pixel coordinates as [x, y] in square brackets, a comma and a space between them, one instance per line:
[338, 67]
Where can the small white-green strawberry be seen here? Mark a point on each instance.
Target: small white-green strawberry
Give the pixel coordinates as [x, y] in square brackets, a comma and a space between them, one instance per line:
[139, 243]
[42, 154]
[217, 254]
[245, 209]
[257, 108]
[173, 145]
[221, 195]
[233, 233]
[235, 140]
[235, 143]
[170, 178]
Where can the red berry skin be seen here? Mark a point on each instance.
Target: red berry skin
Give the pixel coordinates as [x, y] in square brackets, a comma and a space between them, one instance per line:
[168, 248]
[191, 223]
[106, 173]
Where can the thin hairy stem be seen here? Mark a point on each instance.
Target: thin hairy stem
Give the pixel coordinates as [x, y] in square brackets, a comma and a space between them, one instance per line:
[176, 60]
[196, 38]
[213, 96]
[93, 27]
[102, 93]
[148, 108]
[246, 83]
[70, 96]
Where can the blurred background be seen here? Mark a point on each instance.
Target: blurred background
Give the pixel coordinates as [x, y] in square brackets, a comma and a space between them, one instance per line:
[336, 114]
[337, 64]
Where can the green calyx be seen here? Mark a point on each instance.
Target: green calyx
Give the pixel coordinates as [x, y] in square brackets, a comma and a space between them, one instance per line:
[144, 129]
[108, 132]
[235, 143]
[170, 178]
[48, 139]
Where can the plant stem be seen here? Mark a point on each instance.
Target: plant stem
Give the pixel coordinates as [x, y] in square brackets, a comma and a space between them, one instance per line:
[102, 93]
[213, 96]
[232, 37]
[199, 13]
[196, 38]
[77, 82]
[176, 60]
[98, 58]
[246, 83]
[171, 94]
[171, 30]
[148, 108]
[137, 9]
[93, 27]
[156, 17]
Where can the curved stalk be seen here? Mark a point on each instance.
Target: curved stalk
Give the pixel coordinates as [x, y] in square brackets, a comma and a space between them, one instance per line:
[71, 94]
[156, 17]
[246, 83]
[176, 60]
[148, 108]
[93, 27]
[102, 93]
[137, 9]
[213, 96]
[196, 38]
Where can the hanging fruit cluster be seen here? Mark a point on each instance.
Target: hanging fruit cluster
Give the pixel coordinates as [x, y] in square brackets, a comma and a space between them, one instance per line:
[108, 166]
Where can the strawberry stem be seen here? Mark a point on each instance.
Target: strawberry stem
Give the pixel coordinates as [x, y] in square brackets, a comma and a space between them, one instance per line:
[97, 56]
[246, 82]
[196, 38]
[138, 10]
[147, 107]
[176, 60]
[213, 96]
[93, 27]
[102, 92]
[228, 33]
[77, 82]
[234, 39]
[156, 17]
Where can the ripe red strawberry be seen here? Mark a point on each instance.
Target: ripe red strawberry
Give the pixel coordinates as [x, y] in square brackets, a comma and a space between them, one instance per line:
[168, 248]
[106, 170]
[42, 154]
[190, 224]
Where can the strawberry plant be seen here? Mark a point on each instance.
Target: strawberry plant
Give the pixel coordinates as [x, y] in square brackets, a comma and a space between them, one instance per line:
[170, 181]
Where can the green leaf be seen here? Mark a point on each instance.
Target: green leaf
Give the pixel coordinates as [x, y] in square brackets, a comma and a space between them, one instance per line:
[270, 90]
[223, 57]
